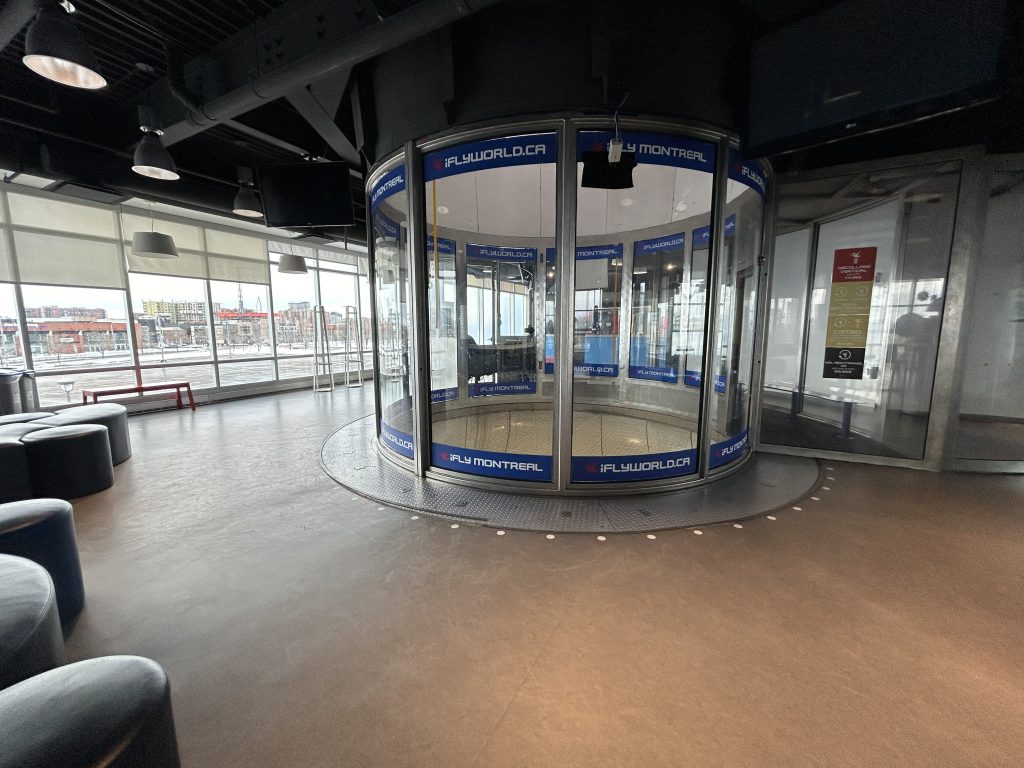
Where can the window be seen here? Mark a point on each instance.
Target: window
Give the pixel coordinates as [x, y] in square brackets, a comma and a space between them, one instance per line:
[171, 318]
[294, 299]
[241, 320]
[11, 355]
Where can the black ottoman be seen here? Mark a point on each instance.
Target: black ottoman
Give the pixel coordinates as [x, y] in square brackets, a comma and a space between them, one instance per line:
[19, 418]
[43, 530]
[17, 431]
[68, 462]
[30, 638]
[113, 712]
[15, 481]
[111, 415]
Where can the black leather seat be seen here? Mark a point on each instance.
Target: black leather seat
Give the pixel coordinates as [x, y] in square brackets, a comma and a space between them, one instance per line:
[113, 712]
[19, 418]
[111, 415]
[17, 431]
[68, 462]
[15, 481]
[43, 530]
[30, 638]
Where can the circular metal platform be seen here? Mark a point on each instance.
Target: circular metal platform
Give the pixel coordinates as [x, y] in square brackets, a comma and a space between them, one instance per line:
[351, 457]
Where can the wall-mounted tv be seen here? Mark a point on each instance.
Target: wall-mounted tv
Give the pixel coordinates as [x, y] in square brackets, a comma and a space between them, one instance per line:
[308, 194]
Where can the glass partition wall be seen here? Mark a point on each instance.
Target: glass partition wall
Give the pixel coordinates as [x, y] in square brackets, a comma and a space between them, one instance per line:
[565, 326]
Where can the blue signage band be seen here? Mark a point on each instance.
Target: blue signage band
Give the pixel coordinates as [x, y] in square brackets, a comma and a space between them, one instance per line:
[512, 466]
[618, 469]
[750, 174]
[389, 184]
[654, 149]
[491, 153]
[664, 244]
[500, 252]
[397, 441]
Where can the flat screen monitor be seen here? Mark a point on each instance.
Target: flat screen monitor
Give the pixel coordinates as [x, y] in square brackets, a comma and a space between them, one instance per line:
[307, 194]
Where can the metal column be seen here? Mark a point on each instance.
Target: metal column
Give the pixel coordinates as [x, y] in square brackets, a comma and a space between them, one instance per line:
[417, 252]
[565, 277]
[707, 376]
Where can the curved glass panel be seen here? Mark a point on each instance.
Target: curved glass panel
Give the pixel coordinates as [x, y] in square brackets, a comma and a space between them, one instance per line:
[641, 265]
[738, 273]
[490, 221]
[391, 283]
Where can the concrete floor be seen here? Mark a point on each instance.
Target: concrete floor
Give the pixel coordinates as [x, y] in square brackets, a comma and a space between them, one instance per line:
[879, 626]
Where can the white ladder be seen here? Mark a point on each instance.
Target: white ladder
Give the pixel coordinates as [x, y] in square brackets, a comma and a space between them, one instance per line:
[321, 352]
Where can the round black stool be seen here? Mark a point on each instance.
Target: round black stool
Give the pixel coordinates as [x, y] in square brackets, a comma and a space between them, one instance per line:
[15, 481]
[43, 530]
[113, 712]
[20, 418]
[68, 462]
[111, 415]
[19, 430]
[30, 638]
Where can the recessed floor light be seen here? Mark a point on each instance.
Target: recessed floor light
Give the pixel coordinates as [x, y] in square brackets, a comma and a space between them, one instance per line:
[736, 525]
[830, 478]
[825, 488]
[501, 533]
[455, 525]
[799, 509]
[651, 536]
[602, 538]
[771, 517]
[550, 536]
[815, 498]
[698, 533]
[380, 509]
[415, 517]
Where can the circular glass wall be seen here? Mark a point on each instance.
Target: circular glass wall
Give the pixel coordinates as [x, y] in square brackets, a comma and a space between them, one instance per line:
[655, 334]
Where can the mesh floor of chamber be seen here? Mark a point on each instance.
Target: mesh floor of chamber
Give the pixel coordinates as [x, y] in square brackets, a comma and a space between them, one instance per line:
[351, 457]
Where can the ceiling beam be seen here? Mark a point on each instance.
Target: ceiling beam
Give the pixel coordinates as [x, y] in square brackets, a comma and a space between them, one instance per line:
[304, 42]
[323, 123]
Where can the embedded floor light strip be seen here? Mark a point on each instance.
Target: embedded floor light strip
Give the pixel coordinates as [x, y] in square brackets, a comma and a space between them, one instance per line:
[55, 49]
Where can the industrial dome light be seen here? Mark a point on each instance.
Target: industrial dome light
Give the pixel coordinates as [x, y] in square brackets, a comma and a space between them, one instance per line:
[290, 264]
[152, 158]
[55, 49]
[246, 201]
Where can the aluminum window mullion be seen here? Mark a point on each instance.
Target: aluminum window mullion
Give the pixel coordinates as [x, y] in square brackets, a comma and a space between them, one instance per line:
[417, 255]
[565, 279]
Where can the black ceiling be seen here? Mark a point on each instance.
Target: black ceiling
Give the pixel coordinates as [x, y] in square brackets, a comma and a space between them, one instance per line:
[88, 137]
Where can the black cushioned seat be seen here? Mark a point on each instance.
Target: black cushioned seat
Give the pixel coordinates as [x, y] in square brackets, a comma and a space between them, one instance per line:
[15, 481]
[111, 415]
[113, 712]
[68, 462]
[19, 418]
[17, 431]
[43, 530]
[30, 638]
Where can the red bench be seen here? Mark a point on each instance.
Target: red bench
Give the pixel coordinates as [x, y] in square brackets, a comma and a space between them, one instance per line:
[140, 389]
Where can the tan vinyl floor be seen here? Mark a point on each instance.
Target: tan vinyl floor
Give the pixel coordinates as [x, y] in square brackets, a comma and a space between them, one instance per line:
[879, 625]
[529, 432]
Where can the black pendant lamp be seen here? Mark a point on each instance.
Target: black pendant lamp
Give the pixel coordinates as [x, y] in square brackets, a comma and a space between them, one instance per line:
[247, 203]
[151, 156]
[55, 49]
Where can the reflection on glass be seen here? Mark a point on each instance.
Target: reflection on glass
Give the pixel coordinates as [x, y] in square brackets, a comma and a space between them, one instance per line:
[339, 296]
[991, 425]
[490, 217]
[867, 364]
[388, 204]
[639, 312]
[246, 372]
[596, 315]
